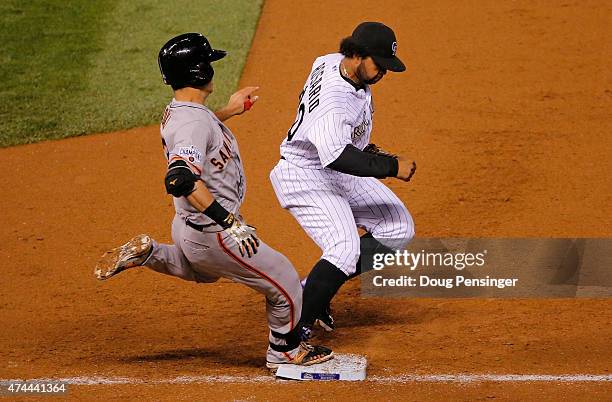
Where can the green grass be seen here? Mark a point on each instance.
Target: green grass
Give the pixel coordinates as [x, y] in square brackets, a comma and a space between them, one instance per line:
[71, 67]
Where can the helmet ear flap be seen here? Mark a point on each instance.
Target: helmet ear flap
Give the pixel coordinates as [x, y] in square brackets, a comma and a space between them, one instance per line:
[202, 74]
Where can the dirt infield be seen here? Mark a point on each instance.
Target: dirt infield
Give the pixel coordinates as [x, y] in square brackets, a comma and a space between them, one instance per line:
[506, 107]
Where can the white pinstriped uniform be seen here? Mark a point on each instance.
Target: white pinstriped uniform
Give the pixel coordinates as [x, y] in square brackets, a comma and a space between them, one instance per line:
[330, 205]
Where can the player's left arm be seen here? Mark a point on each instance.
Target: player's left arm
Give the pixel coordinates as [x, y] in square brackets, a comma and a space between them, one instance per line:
[181, 181]
[238, 103]
[332, 136]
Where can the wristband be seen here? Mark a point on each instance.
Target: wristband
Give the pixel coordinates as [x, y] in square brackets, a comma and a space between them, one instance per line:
[220, 215]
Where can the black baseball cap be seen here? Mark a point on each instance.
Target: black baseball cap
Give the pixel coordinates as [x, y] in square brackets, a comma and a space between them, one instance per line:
[380, 44]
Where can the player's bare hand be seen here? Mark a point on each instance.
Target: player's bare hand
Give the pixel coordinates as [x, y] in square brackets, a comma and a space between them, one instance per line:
[245, 236]
[242, 100]
[406, 168]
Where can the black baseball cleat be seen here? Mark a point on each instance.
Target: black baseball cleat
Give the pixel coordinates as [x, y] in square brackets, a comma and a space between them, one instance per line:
[326, 320]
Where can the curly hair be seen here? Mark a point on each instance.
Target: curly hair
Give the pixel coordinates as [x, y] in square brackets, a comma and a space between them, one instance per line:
[350, 48]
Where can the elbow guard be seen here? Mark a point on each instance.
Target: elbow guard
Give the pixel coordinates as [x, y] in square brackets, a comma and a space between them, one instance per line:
[180, 180]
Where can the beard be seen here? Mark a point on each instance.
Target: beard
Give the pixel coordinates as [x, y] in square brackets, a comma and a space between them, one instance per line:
[361, 74]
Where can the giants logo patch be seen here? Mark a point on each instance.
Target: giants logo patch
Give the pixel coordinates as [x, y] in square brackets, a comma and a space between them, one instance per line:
[191, 153]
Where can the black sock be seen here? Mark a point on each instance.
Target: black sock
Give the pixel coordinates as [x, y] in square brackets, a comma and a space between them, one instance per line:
[322, 284]
[368, 247]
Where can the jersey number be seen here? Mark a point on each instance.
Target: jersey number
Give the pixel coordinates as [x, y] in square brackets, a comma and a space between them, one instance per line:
[300, 118]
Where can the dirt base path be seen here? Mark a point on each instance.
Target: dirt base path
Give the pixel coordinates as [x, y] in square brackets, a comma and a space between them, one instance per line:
[506, 107]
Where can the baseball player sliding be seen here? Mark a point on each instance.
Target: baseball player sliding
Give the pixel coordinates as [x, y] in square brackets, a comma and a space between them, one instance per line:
[328, 174]
[206, 177]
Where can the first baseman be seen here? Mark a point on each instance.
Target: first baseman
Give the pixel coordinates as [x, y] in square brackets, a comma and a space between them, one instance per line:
[206, 177]
[328, 174]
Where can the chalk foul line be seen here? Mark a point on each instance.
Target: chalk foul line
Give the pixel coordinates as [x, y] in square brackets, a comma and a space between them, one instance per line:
[398, 379]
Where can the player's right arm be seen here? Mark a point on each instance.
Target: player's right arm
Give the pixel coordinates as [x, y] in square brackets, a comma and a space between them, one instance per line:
[406, 168]
[239, 102]
[355, 162]
[364, 164]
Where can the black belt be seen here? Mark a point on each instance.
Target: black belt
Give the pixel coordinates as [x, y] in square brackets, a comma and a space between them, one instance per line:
[197, 227]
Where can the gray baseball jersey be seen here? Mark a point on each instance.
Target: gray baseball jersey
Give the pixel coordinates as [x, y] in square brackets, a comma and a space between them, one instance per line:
[192, 132]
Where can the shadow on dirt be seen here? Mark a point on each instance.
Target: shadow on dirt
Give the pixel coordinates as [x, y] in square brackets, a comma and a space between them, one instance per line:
[199, 355]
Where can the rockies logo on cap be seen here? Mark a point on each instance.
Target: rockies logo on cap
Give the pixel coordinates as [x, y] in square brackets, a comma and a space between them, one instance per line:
[394, 48]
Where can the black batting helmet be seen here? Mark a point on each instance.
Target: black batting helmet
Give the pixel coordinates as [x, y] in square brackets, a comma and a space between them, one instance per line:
[184, 61]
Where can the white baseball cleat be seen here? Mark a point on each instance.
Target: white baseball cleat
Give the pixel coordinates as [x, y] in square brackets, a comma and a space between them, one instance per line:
[132, 254]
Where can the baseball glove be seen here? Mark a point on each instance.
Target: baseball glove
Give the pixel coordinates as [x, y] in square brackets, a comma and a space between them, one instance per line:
[376, 150]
